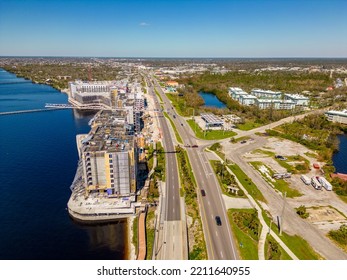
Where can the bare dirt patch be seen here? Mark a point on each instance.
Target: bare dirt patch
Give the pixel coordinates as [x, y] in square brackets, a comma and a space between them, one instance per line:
[326, 218]
[324, 214]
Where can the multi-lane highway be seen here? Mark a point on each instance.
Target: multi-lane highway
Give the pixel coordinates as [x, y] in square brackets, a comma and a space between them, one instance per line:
[219, 238]
[172, 240]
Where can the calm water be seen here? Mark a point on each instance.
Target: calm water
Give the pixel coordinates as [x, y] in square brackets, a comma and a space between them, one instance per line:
[340, 158]
[38, 159]
[211, 100]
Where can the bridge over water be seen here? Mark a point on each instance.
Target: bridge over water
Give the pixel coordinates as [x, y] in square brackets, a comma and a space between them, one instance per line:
[50, 107]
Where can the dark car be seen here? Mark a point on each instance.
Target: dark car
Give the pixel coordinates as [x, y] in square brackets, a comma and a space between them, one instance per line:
[195, 146]
[203, 193]
[182, 124]
[243, 142]
[174, 116]
[218, 221]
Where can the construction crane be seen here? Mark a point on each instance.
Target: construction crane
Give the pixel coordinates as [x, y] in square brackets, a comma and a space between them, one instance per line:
[89, 73]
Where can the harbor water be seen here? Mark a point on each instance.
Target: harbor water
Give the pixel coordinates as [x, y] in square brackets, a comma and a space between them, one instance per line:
[211, 100]
[340, 158]
[37, 165]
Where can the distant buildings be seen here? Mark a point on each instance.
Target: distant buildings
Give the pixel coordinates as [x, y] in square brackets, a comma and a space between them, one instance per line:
[110, 95]
[337, 116]
[265, 99]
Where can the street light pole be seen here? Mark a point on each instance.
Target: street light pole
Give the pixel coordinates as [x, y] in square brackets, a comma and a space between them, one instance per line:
[284, 206]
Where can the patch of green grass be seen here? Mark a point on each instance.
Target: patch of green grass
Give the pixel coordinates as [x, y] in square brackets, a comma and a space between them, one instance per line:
[273, 251]
[248, 125]
[135, 233]
[281, 185]
[179, 104]
[312, 155]
[157, 93]
[246, 245]
[225, 178]
[234, 140]
[265, 152]
[178, 137]
[160, 169]
[189, 191]
[150, 233]
[210, 134]
[246, 182]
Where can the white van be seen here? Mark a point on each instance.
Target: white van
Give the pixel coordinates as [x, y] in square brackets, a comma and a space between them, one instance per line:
[305, 179]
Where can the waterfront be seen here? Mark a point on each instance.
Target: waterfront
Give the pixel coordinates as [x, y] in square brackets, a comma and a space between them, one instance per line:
[340, 158]
[211, 100]
[37, 166]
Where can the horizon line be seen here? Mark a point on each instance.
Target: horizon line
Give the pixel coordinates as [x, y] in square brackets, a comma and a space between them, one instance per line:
[176, 57]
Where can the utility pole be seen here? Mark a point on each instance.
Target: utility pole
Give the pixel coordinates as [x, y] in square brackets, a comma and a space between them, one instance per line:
[284, 206]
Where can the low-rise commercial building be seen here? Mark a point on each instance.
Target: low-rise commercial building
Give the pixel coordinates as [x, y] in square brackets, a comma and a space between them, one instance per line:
[277, 104]
[298, 99]
[235, 93]
[267, 94]
[337, 116]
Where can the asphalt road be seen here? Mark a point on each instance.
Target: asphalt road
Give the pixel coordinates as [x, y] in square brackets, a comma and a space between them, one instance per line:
[219, 239]
[171, 237]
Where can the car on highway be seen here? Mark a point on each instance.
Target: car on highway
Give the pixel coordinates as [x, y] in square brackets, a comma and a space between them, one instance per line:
[218, 221]
[195, 146]
[174, 116]
[243, 142]
[203, 193]
[182, 124]
[187, 145]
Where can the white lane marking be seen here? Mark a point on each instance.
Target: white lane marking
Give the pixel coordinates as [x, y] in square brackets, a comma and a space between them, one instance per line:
[216, 233]
[208, 202]
[221, 253]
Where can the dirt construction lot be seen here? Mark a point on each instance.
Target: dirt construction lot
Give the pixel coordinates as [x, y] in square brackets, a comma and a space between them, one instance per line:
[318, 202]
[326, 218]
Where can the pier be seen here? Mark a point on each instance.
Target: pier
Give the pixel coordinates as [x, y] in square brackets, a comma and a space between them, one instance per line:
[30, 111]
[51, 107]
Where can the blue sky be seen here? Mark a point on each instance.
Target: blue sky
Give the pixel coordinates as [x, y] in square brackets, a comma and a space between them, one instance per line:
[174, 28]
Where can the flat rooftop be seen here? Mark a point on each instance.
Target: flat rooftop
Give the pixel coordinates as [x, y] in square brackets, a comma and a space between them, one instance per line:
[109, 133]
[211, 119]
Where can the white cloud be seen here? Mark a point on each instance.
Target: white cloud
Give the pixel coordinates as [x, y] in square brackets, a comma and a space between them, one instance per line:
[144, 24]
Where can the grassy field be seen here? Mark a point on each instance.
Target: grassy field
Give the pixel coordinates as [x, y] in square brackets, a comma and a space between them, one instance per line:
[280, 185]
[295, 243]
[178, 137]
[211, 134]
[247, 244]
[248, 125]
[247, 182]
[179, 105]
